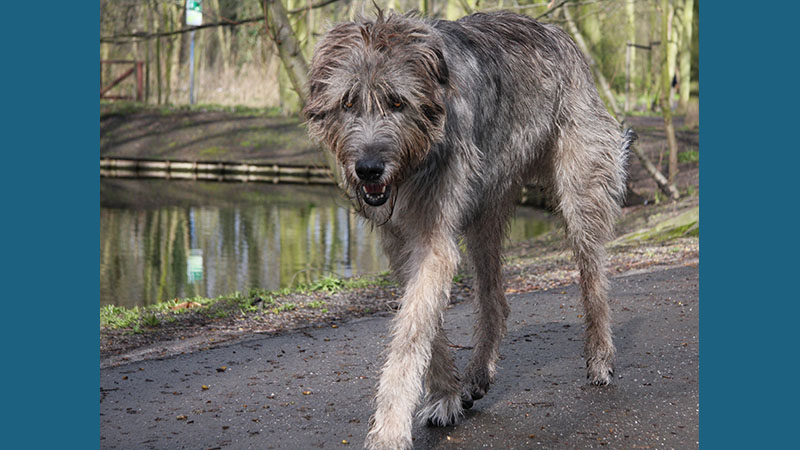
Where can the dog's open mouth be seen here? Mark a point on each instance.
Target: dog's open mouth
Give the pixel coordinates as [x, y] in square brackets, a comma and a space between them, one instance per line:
[375, 194]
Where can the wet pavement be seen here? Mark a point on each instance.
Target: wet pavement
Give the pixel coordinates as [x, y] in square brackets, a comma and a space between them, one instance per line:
[312, 388]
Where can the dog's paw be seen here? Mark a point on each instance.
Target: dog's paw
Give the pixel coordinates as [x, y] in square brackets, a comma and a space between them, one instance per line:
[376, 443]
[599, 372]
[385, 435]
[475, 387]
[441, 410]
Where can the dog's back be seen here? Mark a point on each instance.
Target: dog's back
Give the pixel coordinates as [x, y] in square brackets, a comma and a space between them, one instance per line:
[519, 87]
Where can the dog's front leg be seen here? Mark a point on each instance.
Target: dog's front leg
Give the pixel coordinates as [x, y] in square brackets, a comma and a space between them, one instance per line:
[431, 265]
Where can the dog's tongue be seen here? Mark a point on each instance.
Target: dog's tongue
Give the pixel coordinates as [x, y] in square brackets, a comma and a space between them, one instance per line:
[374, 188]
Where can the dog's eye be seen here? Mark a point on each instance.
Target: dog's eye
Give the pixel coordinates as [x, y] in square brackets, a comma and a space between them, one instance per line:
[347, 104]
[396, 104]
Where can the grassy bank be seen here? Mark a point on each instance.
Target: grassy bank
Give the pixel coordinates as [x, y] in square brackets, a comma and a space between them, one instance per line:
[205, 132]
[259, 301]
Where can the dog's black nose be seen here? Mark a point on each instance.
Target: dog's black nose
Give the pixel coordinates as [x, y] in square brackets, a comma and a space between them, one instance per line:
[369, 169]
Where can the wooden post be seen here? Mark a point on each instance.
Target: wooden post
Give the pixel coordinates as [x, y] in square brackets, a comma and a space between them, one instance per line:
[139, 81]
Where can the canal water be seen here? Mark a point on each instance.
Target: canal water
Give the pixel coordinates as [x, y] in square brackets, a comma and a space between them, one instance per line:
[166, 239]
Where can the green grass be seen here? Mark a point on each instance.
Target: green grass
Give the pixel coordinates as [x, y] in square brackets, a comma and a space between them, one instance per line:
[689, 156]
[139, 319]
[212, 152]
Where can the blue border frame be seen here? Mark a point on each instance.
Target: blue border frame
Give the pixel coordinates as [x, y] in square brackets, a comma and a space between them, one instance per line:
[748, 169]
[51, 224]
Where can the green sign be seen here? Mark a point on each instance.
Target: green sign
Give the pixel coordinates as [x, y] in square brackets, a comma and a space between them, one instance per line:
[194, 12]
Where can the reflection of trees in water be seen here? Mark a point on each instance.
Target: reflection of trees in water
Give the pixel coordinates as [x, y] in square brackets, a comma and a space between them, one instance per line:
[247, 236]
[145, 252]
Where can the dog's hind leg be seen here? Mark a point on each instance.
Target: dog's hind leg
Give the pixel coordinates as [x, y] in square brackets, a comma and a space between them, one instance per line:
[484, 241]
[589, 182]
[430, 268]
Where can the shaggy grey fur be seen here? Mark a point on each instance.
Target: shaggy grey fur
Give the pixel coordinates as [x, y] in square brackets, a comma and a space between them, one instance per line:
[436, 126]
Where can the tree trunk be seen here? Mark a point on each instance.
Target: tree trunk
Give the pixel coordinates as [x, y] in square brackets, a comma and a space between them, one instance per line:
[224, 48]
[425, 7]
[666, 92]
[686, 55]
[169, 56]
[200, 60]
[589, 23]
[310, 42]
[667, 187]
[279, 29]
[157, 27]
[630, 53]
[605, 89]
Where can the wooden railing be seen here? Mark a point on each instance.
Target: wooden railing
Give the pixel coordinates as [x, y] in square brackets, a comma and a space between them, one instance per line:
[138, 68]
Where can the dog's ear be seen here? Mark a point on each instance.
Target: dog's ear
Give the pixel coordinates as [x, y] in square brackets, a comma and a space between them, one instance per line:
[313, 109]
[442, 73]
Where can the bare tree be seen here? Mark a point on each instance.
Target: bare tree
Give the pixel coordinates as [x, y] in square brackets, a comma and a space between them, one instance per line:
[630, 52]
[279, 29]
[667, 73]
[685, 60]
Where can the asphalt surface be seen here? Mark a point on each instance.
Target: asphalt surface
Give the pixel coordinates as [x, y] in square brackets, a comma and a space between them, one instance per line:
[312, 388]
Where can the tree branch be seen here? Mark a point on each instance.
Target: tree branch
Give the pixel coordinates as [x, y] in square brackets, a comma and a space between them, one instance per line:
[121, 38]
[552, 10]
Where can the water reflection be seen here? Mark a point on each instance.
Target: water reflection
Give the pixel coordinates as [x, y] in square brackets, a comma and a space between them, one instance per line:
[163, 239]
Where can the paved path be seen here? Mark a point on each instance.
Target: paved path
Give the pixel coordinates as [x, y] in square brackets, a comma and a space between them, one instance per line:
[311, 388]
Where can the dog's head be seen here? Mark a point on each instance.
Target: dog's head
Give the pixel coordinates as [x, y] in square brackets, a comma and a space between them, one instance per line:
[376, 100]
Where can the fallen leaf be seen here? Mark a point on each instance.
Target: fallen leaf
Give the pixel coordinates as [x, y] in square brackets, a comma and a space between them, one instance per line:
[186, 305]
[181, 417]
[205, 388]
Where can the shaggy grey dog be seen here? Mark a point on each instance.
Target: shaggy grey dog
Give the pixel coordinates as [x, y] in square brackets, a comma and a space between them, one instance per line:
[436, 126]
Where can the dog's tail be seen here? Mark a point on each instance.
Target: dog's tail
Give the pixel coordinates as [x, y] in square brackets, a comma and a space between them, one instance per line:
[628, 138]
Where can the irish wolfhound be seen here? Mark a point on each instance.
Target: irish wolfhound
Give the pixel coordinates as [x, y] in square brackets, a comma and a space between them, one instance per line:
[436, 125]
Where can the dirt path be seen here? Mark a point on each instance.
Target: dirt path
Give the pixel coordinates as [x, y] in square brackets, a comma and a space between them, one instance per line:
[311, 388]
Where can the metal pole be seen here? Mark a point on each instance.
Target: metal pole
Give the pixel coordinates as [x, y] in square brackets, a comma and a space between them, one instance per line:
[191, 71]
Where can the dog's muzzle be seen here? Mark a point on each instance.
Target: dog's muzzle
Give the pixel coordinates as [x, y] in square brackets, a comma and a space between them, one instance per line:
[370, 171]
[375, 194]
